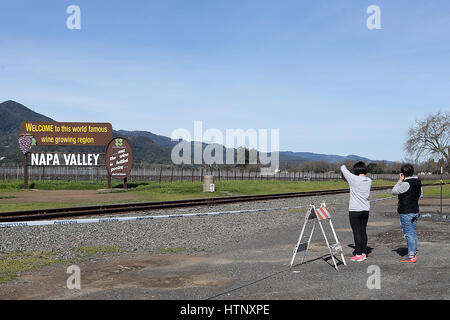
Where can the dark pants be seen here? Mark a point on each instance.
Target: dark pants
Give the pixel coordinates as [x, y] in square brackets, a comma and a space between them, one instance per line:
[358, 221]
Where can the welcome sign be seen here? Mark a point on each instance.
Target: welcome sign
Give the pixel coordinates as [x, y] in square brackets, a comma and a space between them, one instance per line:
[118, 158]
[68, 133]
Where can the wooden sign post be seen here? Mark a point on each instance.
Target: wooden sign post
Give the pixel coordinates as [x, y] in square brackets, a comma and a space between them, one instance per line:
[25, 171]
[25, 143]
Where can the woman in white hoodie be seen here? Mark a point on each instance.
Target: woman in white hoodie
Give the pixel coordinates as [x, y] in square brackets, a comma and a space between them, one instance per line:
[359, 206]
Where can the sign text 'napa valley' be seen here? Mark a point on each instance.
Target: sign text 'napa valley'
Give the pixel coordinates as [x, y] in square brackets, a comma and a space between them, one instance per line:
[64, 159]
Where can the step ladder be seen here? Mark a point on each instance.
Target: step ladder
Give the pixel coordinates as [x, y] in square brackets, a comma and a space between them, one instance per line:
[318, 214]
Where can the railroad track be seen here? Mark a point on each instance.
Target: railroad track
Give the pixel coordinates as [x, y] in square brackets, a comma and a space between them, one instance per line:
[57, 213]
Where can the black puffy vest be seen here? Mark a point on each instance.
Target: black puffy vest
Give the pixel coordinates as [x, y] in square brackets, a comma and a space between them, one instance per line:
[408, 202]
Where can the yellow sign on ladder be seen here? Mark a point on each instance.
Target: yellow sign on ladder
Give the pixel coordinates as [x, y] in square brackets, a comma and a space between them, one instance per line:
[318, 214]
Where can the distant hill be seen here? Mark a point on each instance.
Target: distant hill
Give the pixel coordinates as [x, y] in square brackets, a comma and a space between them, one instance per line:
[148, 147]
[145, 150]
[161, 140]
[285, 156]
[331, 158]
[13, 114]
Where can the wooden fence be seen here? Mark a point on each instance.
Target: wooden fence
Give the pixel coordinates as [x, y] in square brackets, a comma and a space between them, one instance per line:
[170, 174]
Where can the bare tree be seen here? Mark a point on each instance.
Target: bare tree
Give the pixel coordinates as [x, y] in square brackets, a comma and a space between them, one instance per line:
[430, 137]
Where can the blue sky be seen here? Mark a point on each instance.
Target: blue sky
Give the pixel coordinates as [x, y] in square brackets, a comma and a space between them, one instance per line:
[311, 69]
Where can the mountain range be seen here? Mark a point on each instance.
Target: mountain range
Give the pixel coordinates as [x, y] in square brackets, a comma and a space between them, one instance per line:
[148, 148]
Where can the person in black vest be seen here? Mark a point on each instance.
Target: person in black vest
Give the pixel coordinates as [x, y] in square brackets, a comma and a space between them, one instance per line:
[409, 191]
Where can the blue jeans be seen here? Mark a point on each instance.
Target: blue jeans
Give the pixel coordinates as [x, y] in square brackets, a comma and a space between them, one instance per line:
[408, 222]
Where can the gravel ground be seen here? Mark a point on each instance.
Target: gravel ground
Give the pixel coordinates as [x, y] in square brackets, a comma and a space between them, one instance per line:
[234, 256]
[194, 233]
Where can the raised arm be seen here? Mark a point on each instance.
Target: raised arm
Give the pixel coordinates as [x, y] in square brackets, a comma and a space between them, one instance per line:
[350, 177]
[400, 187]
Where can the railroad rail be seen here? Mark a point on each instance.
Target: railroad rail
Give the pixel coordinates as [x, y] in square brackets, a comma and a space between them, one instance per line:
[43, 214]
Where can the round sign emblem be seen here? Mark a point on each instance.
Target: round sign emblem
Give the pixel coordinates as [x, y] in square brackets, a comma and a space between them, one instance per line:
[119, 158]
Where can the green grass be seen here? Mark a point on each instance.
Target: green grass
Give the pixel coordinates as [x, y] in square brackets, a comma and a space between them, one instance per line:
[432, 191]
[177, 186]
[435, 191]
[16, 185]
[166, 191]
[190, 190]
[14, 263]
[11, 264]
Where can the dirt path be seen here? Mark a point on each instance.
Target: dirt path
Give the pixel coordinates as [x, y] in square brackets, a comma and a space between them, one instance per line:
[168, 272]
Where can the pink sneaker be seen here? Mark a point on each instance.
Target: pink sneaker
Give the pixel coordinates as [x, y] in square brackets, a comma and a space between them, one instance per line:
[410, 259]
[359, 258]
